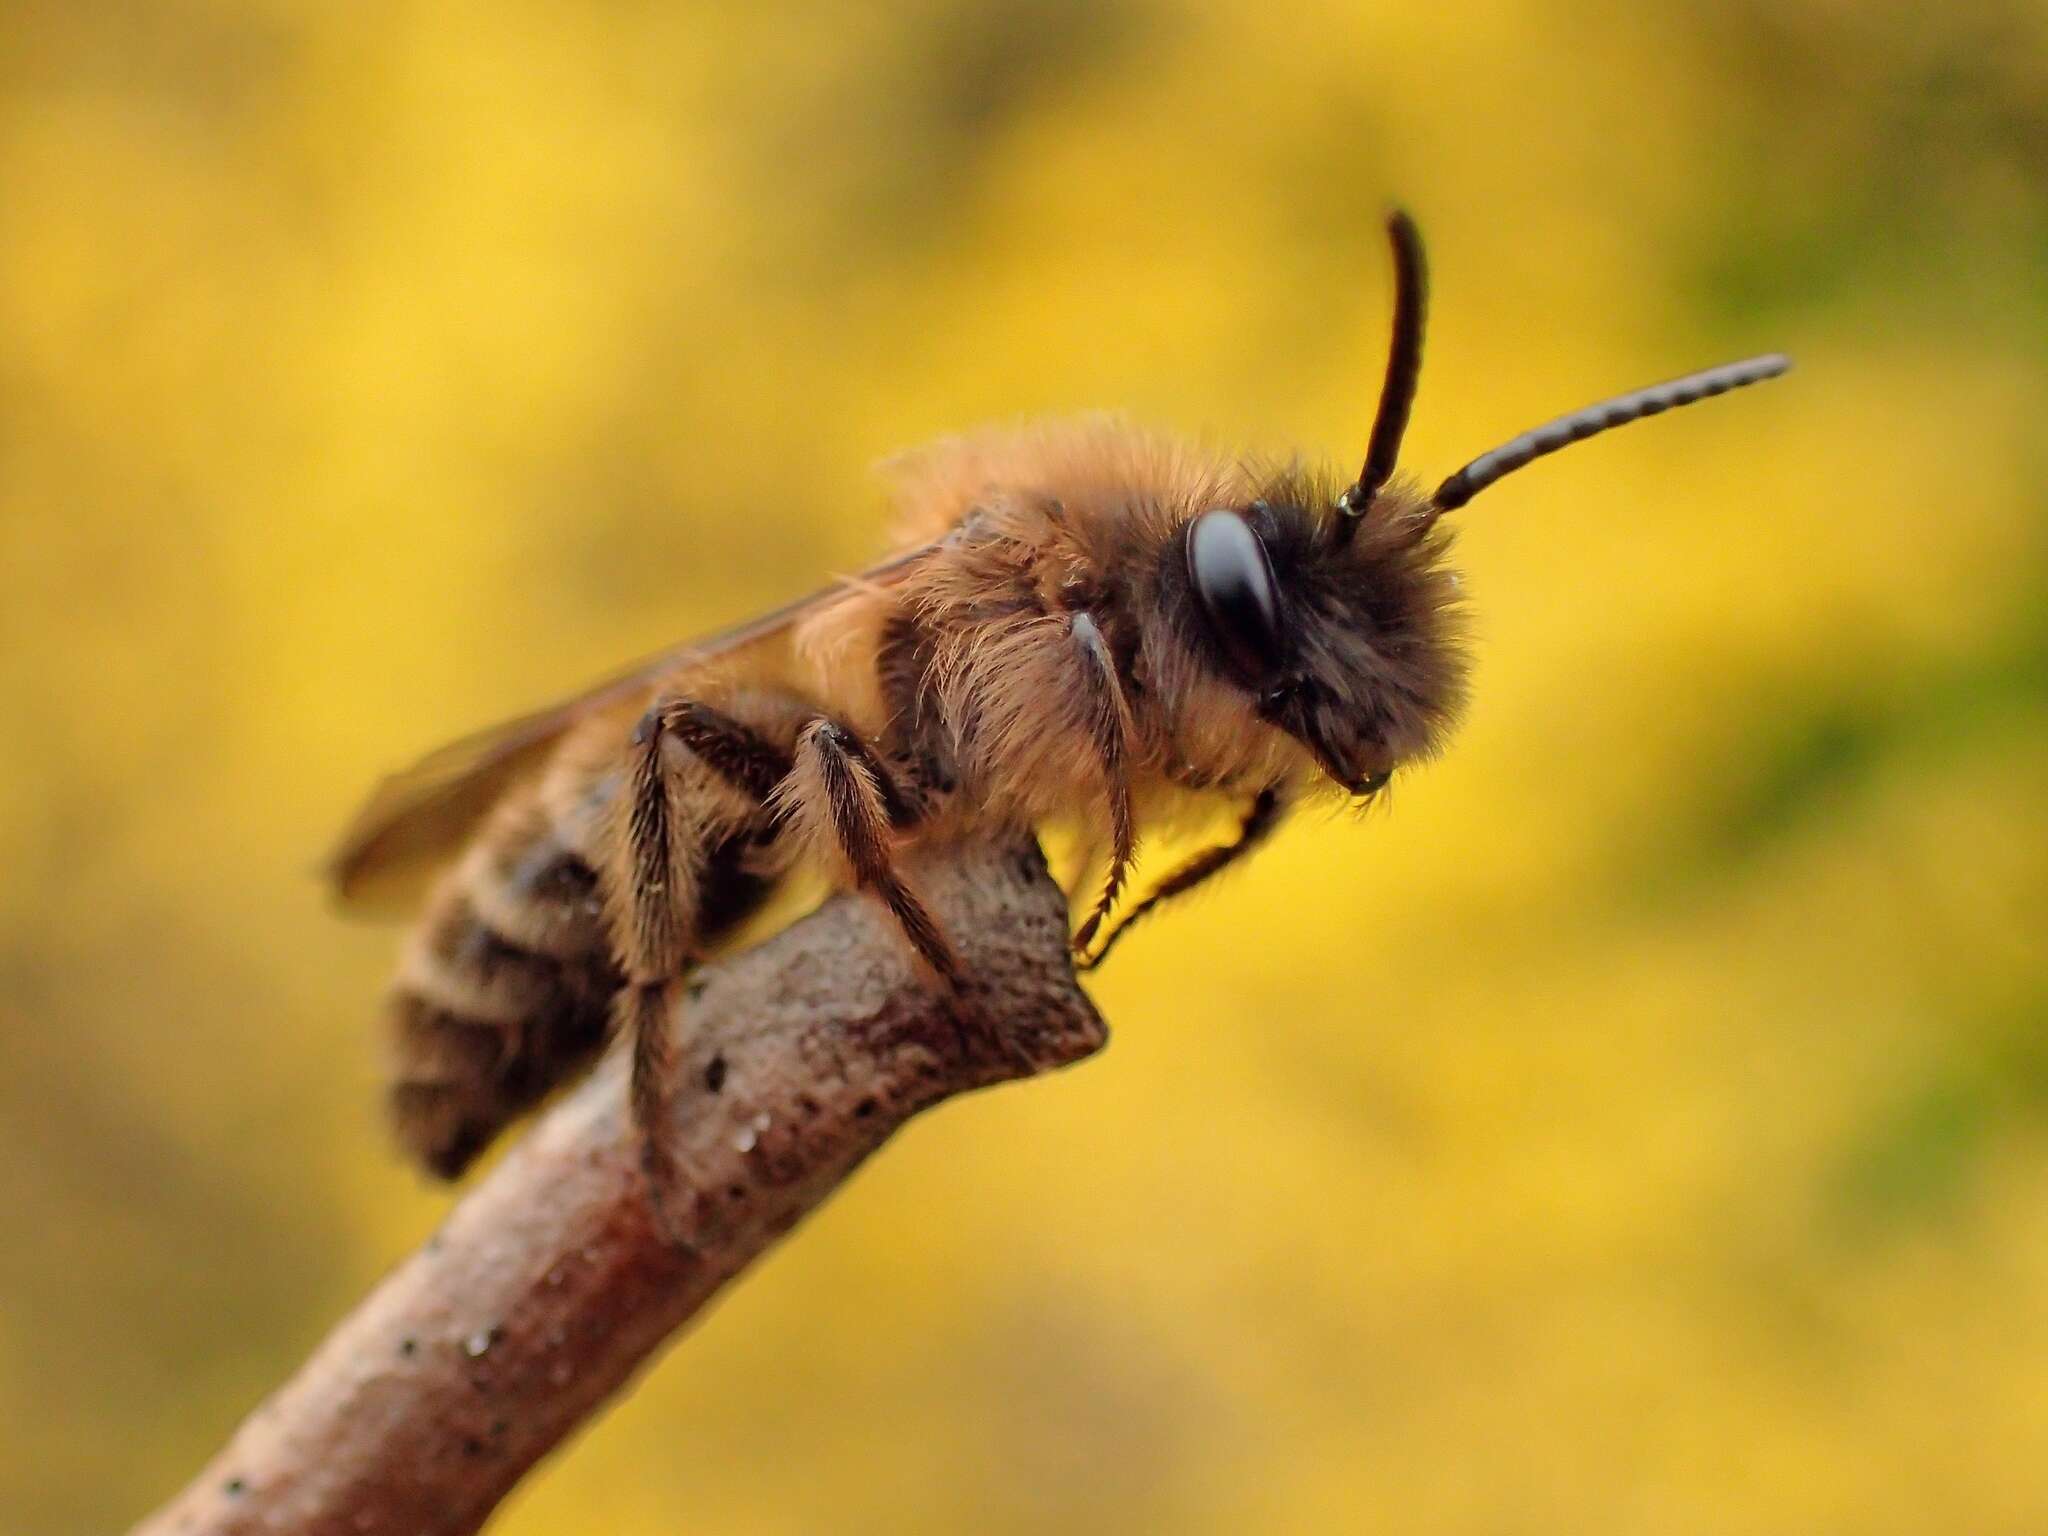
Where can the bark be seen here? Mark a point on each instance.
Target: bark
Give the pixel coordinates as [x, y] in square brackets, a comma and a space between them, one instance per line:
[549, 1286]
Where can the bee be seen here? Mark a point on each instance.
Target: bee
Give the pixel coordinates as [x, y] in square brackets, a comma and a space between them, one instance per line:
[1086, 625]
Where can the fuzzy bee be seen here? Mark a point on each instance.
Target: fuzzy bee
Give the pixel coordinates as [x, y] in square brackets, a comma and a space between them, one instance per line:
[1087, 626]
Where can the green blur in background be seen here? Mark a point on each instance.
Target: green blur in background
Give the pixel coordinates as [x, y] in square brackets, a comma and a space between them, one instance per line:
[1641, 1124]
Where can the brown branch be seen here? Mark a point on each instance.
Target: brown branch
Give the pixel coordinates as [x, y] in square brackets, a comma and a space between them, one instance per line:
[547, 1287]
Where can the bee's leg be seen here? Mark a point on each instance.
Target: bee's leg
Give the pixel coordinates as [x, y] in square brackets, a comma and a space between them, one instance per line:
[676, 819]
[914, 739]
[1109, 729]
[1259, 821]
[844, 792]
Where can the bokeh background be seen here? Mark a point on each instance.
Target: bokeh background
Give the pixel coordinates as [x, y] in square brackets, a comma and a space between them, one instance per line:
[1640, 1126]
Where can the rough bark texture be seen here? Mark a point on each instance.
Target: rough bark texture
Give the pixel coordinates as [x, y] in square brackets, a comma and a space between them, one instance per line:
[548, 1286]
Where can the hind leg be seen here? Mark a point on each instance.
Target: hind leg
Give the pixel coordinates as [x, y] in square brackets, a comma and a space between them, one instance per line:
[698, 783]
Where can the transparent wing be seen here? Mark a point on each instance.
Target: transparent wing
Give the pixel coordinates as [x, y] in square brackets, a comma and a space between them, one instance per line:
[418, 819]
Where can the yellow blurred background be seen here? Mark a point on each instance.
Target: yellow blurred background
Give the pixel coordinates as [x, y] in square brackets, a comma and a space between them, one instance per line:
[1640, 1126]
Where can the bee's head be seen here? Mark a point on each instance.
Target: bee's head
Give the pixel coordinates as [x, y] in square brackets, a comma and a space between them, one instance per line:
[1337, 613]
[1353, 648]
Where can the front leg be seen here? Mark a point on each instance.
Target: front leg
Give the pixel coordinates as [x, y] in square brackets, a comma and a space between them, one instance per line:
[1259, 821]
[1108, 720]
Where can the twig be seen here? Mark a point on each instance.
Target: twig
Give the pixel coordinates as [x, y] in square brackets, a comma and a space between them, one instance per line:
[547, 1287]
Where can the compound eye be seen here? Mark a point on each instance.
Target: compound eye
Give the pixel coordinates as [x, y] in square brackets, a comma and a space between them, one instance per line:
[1233, 581]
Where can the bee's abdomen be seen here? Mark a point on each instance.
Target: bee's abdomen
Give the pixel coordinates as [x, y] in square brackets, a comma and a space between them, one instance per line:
[504, 992]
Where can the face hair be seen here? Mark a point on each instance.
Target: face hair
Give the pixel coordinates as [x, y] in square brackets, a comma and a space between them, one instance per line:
[1404, 369]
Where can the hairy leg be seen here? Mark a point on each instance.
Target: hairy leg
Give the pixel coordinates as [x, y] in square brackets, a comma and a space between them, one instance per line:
[914, 739]
[843, 792]
[1259, 821]
[1109, 731]
[679, 813]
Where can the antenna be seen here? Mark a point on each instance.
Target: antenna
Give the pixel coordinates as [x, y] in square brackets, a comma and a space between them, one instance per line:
[1404, 369]
[1510, 456]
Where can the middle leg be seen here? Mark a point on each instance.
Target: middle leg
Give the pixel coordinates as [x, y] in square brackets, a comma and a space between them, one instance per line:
[844, 797]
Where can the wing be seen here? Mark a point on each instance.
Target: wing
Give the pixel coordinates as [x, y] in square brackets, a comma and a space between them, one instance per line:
[419, 818]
